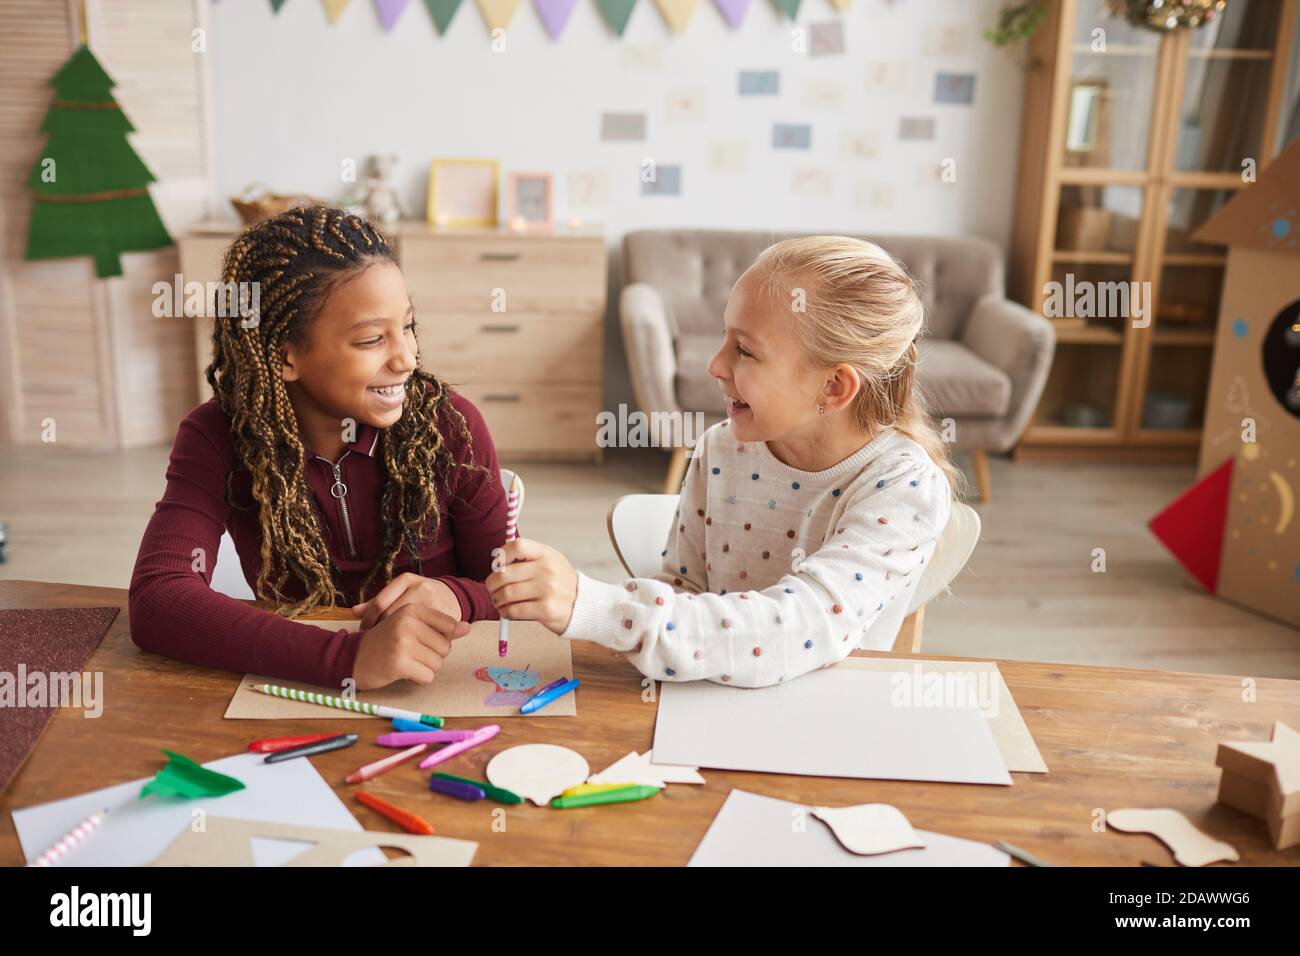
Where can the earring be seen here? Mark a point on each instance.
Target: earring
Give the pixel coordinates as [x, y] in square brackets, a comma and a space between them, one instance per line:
[821, 409]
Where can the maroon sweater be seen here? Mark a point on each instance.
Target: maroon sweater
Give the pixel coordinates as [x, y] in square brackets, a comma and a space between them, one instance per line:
[174, 611]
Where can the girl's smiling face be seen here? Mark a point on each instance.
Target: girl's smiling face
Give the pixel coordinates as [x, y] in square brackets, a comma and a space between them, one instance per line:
[770, 388]
[354, 357]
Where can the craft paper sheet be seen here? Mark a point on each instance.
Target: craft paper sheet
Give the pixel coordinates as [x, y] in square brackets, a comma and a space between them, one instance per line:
[838, 722]
[752, 830]
[473, 682]
[137, 831]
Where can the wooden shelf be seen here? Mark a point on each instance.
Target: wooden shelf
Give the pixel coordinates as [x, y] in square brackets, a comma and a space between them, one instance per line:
[1181, 337]
[1087, 335]
[1208, 260]
[1092, 257]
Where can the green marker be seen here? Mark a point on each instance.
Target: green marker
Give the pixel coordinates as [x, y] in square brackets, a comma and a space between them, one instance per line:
[499, 794]
[621, 795]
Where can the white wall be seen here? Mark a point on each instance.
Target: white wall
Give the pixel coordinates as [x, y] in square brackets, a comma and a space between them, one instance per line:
[295, 96]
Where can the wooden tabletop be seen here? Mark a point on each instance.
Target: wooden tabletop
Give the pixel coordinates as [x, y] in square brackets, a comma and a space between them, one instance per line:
[1111, 738]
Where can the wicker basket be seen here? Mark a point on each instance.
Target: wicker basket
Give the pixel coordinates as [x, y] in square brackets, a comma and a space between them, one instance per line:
[1083, 228]
[257, 202]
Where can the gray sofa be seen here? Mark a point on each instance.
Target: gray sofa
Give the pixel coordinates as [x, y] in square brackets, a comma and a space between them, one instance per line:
[983, 359]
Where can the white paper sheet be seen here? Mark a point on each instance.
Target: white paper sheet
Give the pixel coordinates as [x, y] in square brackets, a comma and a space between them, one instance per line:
[137, 831]
[753, 830]
[830, 723]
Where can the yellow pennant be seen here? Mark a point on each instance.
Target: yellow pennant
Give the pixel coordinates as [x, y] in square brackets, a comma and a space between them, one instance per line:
[334, 9]
[841, 4]
[497, 14]
[676, 13]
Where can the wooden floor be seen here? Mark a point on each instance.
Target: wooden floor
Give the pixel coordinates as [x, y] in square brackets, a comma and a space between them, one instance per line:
[1028, 593]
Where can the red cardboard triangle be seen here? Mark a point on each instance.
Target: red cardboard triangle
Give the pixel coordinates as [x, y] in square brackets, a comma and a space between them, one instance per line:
[1192, 527]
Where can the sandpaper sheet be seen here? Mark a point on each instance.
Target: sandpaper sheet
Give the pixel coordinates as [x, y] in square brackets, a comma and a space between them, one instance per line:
[36, 643]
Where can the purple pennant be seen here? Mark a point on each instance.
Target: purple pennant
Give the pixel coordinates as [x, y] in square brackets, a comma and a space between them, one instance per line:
[389, 11]
[555, 14]
[733, 11]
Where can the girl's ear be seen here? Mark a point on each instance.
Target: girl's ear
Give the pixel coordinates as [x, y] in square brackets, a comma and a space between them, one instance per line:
[288, 364]
[843, 385]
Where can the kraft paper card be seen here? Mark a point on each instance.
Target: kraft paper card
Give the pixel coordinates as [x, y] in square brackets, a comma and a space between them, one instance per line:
[231, 842]
[838, 722]
[473, 682]
[137, 831]
[983, 678]
[752, 830]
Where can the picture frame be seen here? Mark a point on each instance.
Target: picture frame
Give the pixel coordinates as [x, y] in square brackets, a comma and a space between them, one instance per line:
[463, 192]
[530, 198]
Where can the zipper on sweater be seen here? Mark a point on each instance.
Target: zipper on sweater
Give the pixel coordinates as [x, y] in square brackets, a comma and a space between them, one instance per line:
[340, 491]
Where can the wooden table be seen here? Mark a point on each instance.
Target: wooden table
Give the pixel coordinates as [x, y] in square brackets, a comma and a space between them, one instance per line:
[1111, 737]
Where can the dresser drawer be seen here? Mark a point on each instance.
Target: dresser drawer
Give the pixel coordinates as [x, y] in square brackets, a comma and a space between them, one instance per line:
[541, 421]
[516, 347]
[533, 272]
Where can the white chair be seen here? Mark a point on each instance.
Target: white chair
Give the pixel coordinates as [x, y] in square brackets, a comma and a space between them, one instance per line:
[639, 526]
[228, 576]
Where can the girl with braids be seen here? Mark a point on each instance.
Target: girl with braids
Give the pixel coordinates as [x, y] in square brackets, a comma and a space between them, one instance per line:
[808, 515]
[344, 473]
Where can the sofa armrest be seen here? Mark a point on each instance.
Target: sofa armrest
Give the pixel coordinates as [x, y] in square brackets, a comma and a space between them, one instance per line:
[648, 342]
[1022, 344]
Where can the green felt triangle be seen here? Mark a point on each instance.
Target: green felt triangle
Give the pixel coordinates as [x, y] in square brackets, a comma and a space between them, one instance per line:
[442, 11]
[82, 78]
[276, 5]
[616, 13]
[184, 778]
[789, 7]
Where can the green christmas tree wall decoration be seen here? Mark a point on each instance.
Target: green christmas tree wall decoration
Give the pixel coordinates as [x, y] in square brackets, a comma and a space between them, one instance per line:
[90, 186]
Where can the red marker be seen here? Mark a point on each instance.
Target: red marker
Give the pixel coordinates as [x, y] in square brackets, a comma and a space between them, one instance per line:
[403, 818]
[269, 745]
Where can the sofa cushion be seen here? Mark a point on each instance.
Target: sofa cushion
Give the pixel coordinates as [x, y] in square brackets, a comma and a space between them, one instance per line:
[956, 381]
[960, 384]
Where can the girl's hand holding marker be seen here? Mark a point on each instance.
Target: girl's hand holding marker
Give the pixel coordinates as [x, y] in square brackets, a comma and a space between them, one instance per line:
[534, 583]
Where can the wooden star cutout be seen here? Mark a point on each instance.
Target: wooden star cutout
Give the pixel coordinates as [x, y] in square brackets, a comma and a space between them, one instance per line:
[1275, 761]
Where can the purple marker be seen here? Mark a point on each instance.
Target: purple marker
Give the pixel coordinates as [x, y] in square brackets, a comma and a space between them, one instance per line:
[412, 737]
[454, 788]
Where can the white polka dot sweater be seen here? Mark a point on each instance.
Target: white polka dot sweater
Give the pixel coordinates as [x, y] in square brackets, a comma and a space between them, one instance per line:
[771, 572]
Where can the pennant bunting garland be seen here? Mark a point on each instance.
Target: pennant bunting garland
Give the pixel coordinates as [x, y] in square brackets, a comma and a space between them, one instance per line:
[843, 5]
[789, 7]
[733, 11]
[334, 9]
[497, 14]
[677, 13]
[616, 13]
[389, 11]
[276, 5]
[555, 15]
[442, 11]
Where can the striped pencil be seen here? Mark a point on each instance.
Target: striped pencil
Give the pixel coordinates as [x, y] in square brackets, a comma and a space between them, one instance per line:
[77, 836]
[344, 703]
[512, 532]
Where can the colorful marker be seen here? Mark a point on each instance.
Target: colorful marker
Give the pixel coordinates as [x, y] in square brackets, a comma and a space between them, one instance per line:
[618, 795]
[405, 819]
[384, 764]
[269, 745]
[499, 794]
[406, 738]
[482, 735]
[307, 750]
[544, 697]
[454, 788]
[512, 532]
[346, 703]
[583, 788]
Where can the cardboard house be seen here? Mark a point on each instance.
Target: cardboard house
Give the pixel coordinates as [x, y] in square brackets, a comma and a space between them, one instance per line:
[1255, 384]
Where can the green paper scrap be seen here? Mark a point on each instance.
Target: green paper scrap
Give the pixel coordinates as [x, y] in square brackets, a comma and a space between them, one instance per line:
[89, 184]
[616, 13]
[183, 778]
[442, 11]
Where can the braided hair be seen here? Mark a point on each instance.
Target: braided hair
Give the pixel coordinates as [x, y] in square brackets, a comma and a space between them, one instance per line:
[296, 259]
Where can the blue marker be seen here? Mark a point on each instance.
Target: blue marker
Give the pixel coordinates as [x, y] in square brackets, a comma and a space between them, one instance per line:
[409, 726]
[544, 697]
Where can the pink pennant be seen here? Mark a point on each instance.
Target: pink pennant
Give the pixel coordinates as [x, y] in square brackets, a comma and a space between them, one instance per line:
[555, 15]
[733, 11]
[389, 11]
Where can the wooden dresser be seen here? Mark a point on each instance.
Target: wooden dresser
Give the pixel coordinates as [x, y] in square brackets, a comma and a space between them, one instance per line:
[515, 321]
